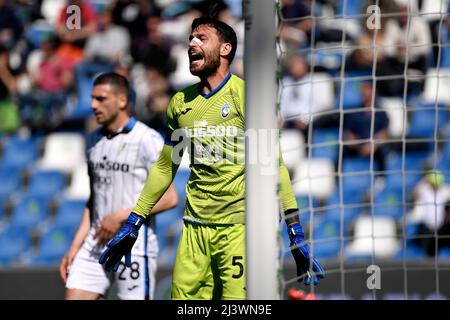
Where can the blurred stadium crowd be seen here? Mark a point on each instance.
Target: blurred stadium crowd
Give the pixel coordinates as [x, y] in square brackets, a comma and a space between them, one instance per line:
[360, 151]
[47, 66]
[365, 106]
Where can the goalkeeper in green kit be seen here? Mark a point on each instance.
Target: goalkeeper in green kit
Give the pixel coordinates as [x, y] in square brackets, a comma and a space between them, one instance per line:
[208, 119]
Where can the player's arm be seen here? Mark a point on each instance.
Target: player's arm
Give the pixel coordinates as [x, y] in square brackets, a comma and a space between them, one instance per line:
[168, 201]
[158, 181]
[299, 248]
[110, 224]
[77, 242]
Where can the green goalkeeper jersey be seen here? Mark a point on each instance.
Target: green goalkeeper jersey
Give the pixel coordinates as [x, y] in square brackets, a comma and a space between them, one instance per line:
[212, 130]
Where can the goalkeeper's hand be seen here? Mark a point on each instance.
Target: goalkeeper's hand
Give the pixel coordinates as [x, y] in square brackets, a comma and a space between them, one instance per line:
[120, 245]
[302, 256]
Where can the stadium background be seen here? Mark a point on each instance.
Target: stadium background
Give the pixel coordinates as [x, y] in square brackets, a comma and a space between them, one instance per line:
[43, 182]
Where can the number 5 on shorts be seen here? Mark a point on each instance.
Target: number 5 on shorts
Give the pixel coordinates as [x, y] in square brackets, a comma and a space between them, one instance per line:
[236, 262]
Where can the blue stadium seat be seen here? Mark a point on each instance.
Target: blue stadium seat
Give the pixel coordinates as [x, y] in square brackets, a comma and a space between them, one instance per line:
[352, 7]
[82, 107]
[13, 242]
[10, 181]
[359, 258]
[53, 245]
[37, 32]
[353, 204]
[327, 243]
[20, 153]
[303, 203]
[388, 202]
[357, 175]
[167, 222]
[443, 161]
[180, 182]
[29, 212]
[166, 256]
[446, 149]
[330, 59]
[443, 164]
[325, 144]
[412, 252]
[351, 91]
[358, 165]
[3, 200]
[348, 213]
[423, 123]
[69, 214]
[445, 56]
[99, 5]
[413, 162]
[444, 254]
[46, 183]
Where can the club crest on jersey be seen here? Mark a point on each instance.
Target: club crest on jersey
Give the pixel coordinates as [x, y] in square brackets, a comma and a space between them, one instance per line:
[225, 110]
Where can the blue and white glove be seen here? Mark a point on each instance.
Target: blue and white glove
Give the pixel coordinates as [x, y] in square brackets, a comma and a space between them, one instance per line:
[120, 245]
[302, 256]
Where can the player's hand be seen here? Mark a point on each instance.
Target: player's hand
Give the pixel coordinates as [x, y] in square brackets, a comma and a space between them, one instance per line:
[108, 227]
[302, 256]
[66, 262]
[122, 243]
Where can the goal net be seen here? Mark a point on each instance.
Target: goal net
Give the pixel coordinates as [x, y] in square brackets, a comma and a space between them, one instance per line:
[363, 96]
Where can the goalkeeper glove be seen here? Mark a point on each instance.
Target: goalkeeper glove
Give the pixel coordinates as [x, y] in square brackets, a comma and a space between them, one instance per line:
[302, 256]
[120, 245]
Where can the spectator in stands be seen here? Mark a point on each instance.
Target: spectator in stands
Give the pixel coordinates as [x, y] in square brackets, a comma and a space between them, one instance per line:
[110, 43]
[154, 109]
[407, 43]
[132, 15]
[432, 210]
[299, 101]
[154, 50]
[104, 50]
[73, 38]
[298, 28]
[296, 100]
[360, 128]
[8, 76]
[43, 106]
[369, 46]
[9, 114]
[11, 27]
[293, 33]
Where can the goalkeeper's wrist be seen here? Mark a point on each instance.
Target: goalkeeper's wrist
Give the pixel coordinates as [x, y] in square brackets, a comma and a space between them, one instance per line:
[291, 217]
[135, 220]
[295, 229]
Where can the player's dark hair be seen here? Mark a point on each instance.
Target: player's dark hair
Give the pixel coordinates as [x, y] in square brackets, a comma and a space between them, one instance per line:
[225, 33]
[113, 79]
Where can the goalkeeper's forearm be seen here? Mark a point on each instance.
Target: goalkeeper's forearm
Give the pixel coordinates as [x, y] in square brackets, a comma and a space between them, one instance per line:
[287, 195]
[158, 181]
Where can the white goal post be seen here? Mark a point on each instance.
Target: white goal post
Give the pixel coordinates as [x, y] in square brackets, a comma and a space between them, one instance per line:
[260, 62]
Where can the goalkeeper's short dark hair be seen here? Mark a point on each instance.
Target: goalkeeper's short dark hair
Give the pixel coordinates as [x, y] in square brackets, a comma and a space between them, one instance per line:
[224, 31]
[114, 79]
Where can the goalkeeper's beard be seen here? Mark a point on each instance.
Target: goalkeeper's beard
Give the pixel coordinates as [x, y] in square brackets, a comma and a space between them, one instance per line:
[209, 67]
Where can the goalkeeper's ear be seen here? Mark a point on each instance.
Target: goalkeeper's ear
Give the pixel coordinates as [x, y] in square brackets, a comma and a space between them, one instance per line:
[225, 49]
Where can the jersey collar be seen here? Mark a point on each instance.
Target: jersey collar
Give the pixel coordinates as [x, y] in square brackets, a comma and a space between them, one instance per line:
[224, 81]
[125, 129]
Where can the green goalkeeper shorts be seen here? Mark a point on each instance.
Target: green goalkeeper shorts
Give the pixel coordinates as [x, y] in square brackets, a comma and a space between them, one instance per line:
[210, 262]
